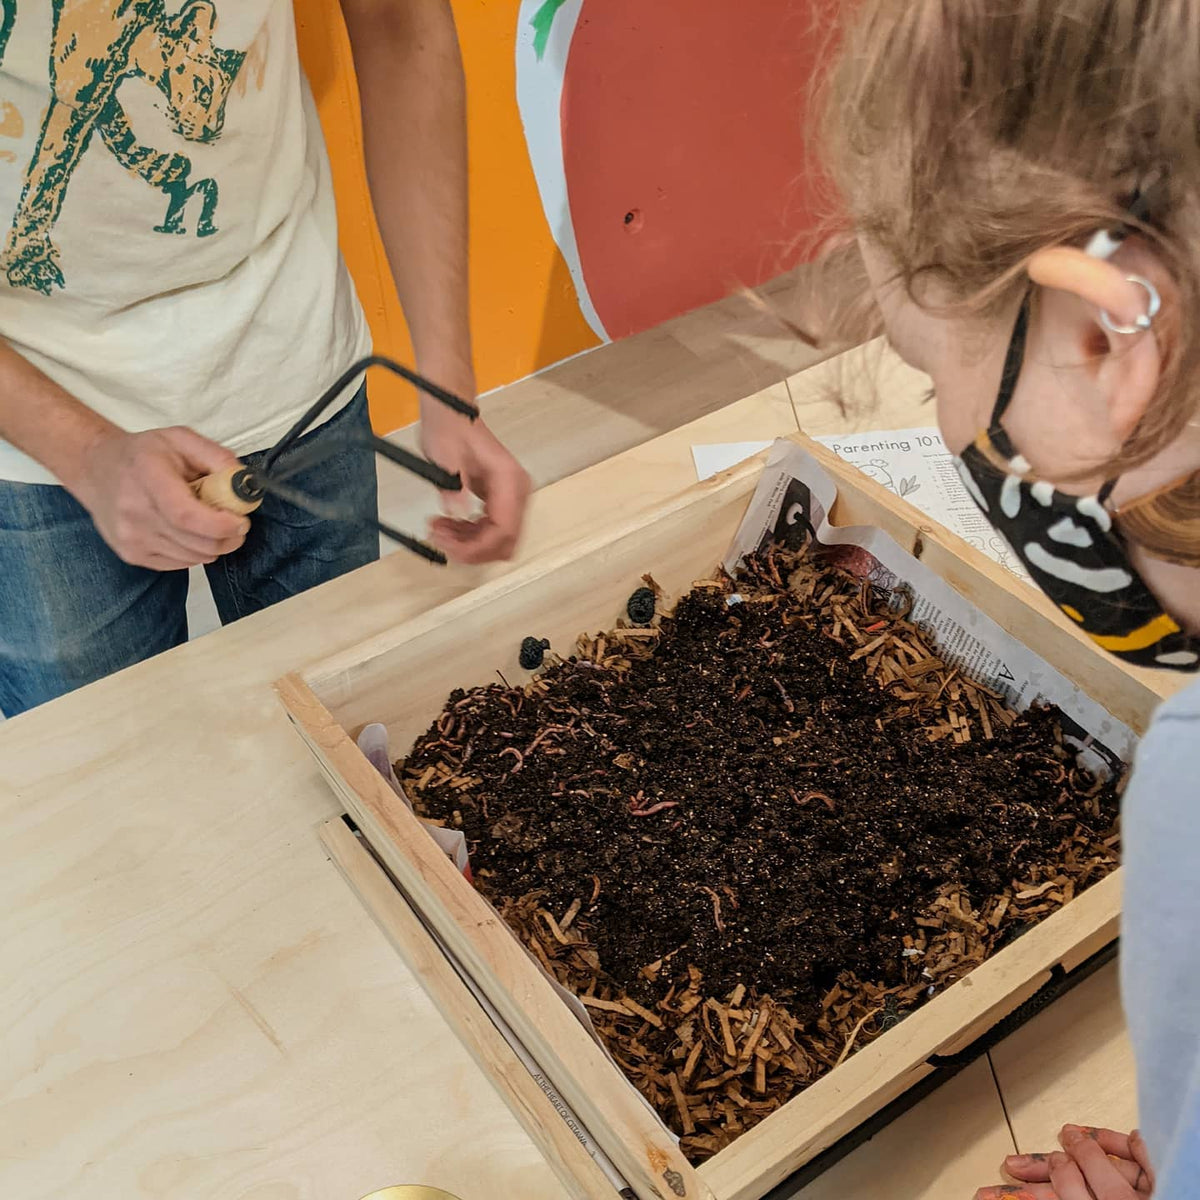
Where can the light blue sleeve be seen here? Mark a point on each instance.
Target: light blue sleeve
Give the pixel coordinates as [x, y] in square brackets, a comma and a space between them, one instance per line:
[1160, 941]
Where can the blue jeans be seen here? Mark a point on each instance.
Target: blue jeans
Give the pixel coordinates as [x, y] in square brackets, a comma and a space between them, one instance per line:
[72, 612]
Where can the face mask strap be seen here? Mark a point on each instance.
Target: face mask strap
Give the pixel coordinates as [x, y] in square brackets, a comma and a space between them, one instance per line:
[1013, 361]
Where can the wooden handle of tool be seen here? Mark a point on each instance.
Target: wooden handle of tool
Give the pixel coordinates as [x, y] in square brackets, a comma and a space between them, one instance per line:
[216, 490]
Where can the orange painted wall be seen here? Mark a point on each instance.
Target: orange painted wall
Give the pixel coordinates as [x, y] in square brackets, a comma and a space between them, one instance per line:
[524, 311]
[523, 307]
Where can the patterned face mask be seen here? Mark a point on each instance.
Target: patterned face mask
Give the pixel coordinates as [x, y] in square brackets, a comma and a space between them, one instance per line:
[1068, 543]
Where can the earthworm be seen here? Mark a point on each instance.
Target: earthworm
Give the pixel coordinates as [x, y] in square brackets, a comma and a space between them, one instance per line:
[778, 581]
[817, 796]
[649, 812]
[537, 741]
[716, 903]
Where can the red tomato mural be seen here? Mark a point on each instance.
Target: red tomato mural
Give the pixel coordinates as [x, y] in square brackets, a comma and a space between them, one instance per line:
[684, 147]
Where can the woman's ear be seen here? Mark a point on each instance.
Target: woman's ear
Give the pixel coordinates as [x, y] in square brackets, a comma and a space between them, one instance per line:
[1125, 367]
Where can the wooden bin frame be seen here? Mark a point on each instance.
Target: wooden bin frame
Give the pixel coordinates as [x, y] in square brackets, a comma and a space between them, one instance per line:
[583, 588]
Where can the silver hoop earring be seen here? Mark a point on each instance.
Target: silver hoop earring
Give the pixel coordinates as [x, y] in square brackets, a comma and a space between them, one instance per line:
[1153, 304]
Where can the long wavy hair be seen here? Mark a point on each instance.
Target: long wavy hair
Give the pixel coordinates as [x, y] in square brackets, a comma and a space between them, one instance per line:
[963, 136]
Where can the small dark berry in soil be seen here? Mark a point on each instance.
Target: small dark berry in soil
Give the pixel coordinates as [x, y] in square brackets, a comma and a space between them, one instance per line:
[533, 653]
[641, 606]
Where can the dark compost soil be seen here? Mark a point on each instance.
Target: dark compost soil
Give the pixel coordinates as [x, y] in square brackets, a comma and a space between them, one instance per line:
[758, 834]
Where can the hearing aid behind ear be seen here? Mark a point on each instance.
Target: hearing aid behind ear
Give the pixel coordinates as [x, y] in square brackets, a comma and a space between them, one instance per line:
[1103, 245]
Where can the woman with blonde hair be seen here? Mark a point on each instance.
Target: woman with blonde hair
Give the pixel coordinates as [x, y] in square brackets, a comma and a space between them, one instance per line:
[1022, 180]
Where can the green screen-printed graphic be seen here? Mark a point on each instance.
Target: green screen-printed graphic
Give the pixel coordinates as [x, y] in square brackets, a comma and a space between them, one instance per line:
[8, 14]
[97, 45]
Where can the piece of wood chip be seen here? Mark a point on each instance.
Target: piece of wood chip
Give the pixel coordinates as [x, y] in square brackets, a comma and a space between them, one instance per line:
[570, 915]
[854, 1036]
[1032, 892]
[552, 925]
[681, 1104]
[638, 1011]
[604, 1005]
[726, 1032]
[689, 1068]
[863, 651]
[761, 1021]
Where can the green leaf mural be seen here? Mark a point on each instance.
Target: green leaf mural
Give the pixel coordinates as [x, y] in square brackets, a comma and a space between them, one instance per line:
[542, 20]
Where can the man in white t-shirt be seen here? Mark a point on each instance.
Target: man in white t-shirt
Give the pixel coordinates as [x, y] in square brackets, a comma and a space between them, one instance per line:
[172, 297]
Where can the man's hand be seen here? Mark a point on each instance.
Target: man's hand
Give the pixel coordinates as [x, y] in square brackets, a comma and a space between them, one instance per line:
[488, 471]
[1095, 1164]
[137, 488]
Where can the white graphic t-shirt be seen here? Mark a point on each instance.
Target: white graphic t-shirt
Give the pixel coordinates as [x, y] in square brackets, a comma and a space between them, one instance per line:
[169, 239]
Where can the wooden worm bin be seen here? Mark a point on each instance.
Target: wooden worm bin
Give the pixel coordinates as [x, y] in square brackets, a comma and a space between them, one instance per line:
[402, 679]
